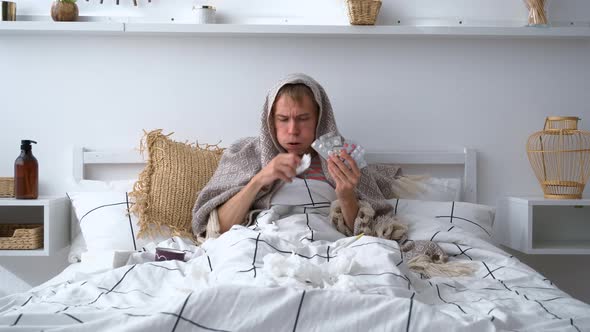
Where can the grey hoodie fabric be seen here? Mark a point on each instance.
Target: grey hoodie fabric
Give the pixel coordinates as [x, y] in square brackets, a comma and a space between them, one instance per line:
[246, 157]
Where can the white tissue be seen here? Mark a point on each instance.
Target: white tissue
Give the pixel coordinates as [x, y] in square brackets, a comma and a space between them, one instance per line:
[299, 272]
[304, 164]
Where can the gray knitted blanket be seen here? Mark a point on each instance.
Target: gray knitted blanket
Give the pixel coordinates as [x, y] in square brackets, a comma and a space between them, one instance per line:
[246, 157]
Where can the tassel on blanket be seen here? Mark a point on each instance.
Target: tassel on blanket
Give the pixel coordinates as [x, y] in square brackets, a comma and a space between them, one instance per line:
[426, 266]
[429, 259]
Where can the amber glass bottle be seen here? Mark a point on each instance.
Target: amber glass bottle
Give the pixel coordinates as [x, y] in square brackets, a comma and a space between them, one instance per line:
[26, 173]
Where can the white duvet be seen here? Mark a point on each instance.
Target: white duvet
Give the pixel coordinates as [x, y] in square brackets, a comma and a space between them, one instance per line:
[293, 271]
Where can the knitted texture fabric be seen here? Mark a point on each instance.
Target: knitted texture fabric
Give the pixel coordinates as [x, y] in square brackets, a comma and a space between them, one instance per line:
[246, 157]
[170, 182]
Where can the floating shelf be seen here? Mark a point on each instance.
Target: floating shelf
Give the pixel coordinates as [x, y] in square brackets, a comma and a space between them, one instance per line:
[50, 27]
[260, 30]
[536, 225]
[52, 212]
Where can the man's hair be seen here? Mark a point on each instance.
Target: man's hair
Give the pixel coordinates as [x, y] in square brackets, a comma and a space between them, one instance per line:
[297, 92]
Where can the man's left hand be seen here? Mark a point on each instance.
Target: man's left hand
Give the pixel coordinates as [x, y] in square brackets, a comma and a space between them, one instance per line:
[346, 178]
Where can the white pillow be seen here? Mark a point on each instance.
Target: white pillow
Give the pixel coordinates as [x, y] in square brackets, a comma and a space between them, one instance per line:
[78, 245]
[477, 219]
[441, 189]
[427, 188]
[105, 223]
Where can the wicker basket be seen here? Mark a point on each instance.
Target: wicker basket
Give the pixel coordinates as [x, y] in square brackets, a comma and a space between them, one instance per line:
[21, 236]
[560, 157]
[363, 12]
[6, 187]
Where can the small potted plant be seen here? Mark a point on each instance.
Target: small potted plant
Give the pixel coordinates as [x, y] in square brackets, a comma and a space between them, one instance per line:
[64, 10]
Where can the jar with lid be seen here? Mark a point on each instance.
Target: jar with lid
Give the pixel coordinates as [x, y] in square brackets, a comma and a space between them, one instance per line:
[204, 14]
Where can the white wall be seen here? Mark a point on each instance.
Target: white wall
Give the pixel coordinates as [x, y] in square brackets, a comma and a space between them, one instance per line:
[388, 93]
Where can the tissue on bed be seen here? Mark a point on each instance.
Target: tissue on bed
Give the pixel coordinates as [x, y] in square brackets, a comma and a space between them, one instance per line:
[295, 271]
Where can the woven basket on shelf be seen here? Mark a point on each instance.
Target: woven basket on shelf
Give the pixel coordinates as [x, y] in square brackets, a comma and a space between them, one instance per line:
[21, 236]
[6, 187]
[363, 12]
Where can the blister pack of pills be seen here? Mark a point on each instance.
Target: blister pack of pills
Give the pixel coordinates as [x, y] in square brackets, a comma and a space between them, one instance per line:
[331, 143]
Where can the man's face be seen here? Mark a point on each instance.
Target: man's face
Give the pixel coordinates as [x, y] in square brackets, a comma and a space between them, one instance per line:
[295, 124]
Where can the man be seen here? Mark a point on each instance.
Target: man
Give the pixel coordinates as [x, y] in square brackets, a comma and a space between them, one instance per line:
[254, 169]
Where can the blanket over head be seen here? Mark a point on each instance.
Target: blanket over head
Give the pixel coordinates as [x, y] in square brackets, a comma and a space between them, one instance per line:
[246, 157]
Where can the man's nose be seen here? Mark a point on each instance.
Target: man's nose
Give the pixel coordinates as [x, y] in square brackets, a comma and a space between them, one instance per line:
[293, 127]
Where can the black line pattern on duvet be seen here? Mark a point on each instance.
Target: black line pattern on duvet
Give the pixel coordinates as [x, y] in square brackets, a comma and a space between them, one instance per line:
[30, 297]
[209, 261]
[572, 324]
[462, 252]
[17, 319]
[184, 319]
[310, 229]
[254, 258]
[549, 312]
[74, 318]
[440, 297]
[298, 311]
[410, 311]
[308, 190]
[490, 272]
[181, 310]
[126, 292]
[435, 234]
[476, 224]
[122, 278]
[287, 251]
[167, 268]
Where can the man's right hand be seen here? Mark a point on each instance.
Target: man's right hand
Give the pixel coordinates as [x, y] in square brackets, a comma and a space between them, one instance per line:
[281, 167]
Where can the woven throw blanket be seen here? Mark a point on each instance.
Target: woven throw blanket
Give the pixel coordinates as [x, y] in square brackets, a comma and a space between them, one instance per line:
[246, 157]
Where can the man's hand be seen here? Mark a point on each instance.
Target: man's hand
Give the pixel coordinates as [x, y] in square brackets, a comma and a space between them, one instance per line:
[281, 167]
[346, 178]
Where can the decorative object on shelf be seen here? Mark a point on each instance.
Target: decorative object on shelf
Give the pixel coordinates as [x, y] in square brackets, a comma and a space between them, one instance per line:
[204, 14]
[8, 11]
[560, 157]
[537, 13]
[26, 172]
[21, 236]
[64, 11]
[363, 12]
[6, 187]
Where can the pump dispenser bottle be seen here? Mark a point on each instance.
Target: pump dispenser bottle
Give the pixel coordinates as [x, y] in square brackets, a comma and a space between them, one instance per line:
[26, 173]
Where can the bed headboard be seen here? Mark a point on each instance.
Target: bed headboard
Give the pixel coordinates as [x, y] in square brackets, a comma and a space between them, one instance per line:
[458, 164]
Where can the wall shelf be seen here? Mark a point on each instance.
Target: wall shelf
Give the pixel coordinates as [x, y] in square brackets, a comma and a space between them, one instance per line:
[52, 212]
[50, 27]
[267, 30]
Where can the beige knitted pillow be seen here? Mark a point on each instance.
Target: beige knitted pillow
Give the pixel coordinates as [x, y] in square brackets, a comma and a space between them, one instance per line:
[169, 184]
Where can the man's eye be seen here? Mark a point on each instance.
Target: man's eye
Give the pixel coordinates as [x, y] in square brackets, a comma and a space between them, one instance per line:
[282, 119]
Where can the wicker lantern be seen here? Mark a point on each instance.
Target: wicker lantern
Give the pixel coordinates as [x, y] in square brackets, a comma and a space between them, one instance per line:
[560, 157]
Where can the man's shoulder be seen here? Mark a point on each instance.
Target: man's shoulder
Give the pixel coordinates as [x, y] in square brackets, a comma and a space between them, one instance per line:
[244, 144]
